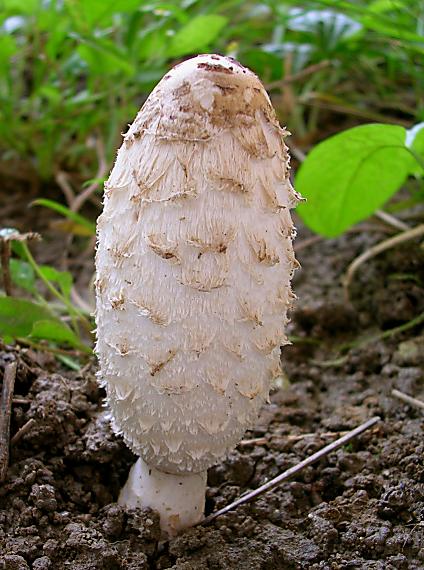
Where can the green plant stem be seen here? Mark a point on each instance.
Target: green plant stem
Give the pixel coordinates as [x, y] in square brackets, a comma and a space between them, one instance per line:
[73, 312]
[303, 340]
[403, 204]
[419, 319]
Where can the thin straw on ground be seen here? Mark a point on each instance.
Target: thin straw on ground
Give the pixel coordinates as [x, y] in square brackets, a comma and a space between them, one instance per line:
[408, 399]
[293, 470]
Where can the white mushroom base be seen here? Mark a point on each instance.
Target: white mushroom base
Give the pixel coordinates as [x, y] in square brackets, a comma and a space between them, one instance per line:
[179, 499]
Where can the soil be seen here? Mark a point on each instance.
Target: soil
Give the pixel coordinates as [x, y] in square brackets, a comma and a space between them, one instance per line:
[361, 507]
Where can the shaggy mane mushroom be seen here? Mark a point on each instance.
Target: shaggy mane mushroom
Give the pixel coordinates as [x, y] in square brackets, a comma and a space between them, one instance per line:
[194, 262]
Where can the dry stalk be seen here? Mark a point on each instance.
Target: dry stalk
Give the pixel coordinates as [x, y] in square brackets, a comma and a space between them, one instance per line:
[20, 401]
[64, 184]
[293, 470]
[408, 399]
[321, 101]
[75, 201]
[5, 414]
[290, 438]
[5, 267]
[306, 72]
[391, 220]
[377, 249]
[22, 431]
[101, 172]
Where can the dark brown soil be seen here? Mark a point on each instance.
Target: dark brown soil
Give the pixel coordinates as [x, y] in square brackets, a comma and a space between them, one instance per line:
[362, 507]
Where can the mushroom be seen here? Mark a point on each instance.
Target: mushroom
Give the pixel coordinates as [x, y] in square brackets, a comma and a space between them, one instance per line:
[194, 262]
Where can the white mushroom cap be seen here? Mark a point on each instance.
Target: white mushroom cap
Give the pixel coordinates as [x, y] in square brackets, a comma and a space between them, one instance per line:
[194, 263]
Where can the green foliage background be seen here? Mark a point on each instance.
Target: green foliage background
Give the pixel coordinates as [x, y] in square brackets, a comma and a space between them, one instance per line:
[73, 74]
[71, 70]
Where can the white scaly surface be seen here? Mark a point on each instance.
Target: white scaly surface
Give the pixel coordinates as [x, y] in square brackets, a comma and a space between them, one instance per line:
[194, 262]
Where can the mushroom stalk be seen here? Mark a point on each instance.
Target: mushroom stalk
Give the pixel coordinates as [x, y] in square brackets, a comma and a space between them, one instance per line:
[179, 499]
[194, 262]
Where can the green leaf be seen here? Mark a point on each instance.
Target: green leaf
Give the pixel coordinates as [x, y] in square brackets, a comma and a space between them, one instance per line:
[8, 48]
[64, 211]
[381, 6]
[102, 56]
[21, 6]
[415, 141]
[394, 30]
[350, 175]
[56, 331]
[99, 12]
[152, 44]
[195, 35]
[20, 318]
[71, 363]
[62, 278]
[17, 316]
[22, 274]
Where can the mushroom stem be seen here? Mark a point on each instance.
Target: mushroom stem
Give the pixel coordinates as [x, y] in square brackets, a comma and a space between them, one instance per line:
[179, 499]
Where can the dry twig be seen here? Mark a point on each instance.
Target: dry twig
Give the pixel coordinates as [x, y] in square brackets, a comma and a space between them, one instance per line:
[64, 184]
[293, 470]
[408, 399]
[101, 171]
[323, 101]
[391, 220]
[289, 438]
[22, 431]
[5, 413]
[307, 242]
[379, 248]
[296, 151]
[310, 70]
[76, 201]
[5, 267]
[21, 401]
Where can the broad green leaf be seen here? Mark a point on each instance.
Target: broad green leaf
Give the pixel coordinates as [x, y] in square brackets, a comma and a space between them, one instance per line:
[153, 44]
[102, 57]
[55, 331]
[381, 6]
[88, 13]
[17, 316]
[21, 6]
[7, 49]
[265, 63]
[391, 30]
[350, 175]
[18, 249]
[62, 278]
[415, 141]
[413, 136]
[49, 92]
[195, 35]
[20, 318]
[22, 274]
[96, 12]
[61, 209]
